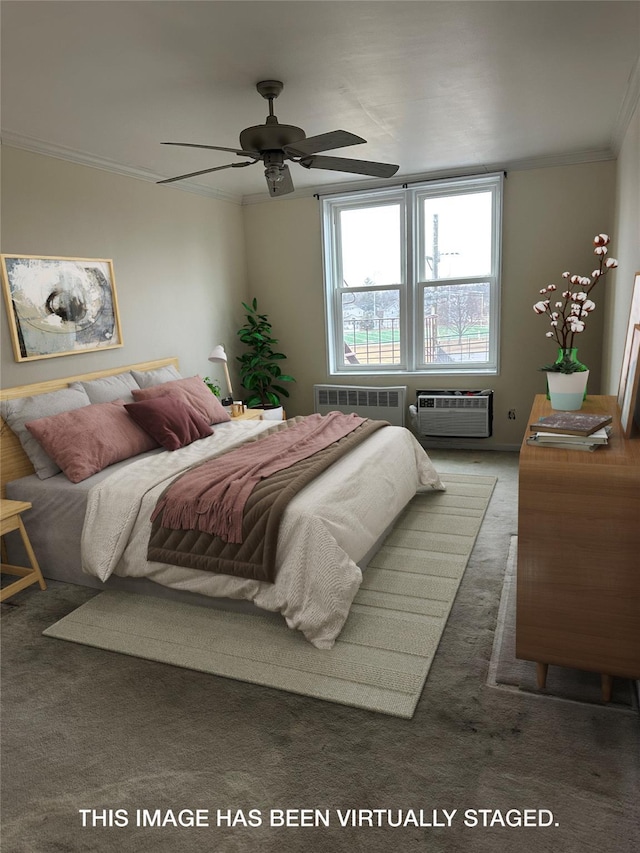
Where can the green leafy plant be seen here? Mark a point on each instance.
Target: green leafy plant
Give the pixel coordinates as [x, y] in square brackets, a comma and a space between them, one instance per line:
[212, 385]
[564, 365]
[260, 366]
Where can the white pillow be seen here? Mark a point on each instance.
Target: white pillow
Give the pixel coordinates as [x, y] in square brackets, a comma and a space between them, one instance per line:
[109, 388]
[17, 412]
[148, 378]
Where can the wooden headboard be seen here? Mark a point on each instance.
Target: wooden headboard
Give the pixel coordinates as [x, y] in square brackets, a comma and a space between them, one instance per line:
[14, 462]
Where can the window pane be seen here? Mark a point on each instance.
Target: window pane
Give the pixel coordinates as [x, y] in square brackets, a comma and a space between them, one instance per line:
[370, 242]
[457, 236]
[456, 323]
[371, 327]
[412, 278]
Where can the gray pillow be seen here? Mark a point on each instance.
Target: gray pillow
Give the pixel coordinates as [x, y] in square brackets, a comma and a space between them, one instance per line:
[109, 388]
[18, 412]
[148, 378]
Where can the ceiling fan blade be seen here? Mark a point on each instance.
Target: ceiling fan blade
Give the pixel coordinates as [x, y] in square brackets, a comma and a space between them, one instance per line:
[206, 171]
[278, 188]
[215, 148]
[358, 167]
[323, 142]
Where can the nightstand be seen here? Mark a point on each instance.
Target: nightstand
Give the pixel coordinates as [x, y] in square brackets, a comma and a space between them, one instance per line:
[249, 415]
[10, 520]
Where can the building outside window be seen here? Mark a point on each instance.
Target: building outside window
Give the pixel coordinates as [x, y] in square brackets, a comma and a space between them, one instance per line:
[412, 278]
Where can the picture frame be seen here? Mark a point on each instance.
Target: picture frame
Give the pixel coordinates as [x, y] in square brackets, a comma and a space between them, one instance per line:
[629, 409]
[59, 306]
[634, 318]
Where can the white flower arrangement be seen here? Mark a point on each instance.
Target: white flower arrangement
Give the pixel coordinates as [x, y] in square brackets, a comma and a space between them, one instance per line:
[568, 316]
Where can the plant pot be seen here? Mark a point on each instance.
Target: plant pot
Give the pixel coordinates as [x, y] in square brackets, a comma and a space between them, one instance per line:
[570, 354]
[567, 391]
[274, 413]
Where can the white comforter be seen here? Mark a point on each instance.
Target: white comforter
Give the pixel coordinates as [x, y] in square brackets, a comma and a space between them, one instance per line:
[326, 529]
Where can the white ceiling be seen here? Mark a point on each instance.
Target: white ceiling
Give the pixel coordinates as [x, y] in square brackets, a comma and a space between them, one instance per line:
[438, 87]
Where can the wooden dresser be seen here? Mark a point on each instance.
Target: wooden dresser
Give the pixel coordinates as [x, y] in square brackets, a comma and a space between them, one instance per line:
[578, 587]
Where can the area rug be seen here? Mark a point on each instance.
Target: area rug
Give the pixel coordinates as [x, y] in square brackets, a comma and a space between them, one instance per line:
[507, 672]
[383, 655]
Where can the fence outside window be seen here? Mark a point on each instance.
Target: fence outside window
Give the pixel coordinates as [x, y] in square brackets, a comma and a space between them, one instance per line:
[376, 340]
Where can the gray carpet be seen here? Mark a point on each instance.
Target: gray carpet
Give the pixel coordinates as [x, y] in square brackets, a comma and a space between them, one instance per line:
[86, 728]
[385, 650]
[507, 672]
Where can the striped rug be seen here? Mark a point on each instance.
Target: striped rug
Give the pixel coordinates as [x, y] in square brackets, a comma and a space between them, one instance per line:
[383, 655]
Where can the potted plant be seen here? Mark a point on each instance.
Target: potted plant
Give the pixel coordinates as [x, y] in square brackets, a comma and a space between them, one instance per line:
[213, 386]
[567, 377]
[260, 369]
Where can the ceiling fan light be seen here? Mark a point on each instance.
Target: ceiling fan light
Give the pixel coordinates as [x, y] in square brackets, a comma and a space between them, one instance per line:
[274, 174]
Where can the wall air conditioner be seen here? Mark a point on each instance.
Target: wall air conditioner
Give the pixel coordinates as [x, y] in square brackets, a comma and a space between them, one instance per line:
[379, 404]
[465, 414]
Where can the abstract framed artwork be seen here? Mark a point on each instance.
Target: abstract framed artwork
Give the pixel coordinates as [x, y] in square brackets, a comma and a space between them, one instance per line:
[60, 306]
[629, 414]
[634, 317]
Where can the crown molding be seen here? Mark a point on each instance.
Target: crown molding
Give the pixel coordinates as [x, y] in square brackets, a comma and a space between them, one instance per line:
[60, 152]
[39, 146]
[575, 158]
[627, 108]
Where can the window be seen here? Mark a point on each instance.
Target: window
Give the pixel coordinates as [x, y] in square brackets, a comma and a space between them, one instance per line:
[412, 278]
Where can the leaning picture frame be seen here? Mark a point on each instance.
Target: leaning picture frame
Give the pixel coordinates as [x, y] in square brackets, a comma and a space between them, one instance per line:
[59, 306]
[634, 317]
[629, 408]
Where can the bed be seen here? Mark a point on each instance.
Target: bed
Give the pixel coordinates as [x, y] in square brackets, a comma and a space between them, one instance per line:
[95, 532]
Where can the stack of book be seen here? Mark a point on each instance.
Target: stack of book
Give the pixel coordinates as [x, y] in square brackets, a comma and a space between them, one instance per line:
[571, 431]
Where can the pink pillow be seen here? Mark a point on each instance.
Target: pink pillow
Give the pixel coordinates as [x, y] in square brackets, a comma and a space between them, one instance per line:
[170, 421]
[192, 391]
[86, 440]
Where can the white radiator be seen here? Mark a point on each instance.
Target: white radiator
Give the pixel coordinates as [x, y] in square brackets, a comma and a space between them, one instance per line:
[380, 404]
[457, 415]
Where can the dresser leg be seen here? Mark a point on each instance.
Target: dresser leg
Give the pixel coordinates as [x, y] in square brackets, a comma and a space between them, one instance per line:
[541, 674]
[607, 687]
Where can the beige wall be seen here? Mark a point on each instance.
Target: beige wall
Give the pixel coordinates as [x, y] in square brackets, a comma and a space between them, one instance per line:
[626, 248]
[183, 264]
[179, 260]
[550, 218]
[284, 261]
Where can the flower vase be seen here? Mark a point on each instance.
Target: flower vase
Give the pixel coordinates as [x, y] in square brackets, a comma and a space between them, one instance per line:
[570, 355]
[567, 390]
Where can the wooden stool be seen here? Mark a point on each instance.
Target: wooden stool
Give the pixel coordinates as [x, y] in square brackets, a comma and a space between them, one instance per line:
[10, 520]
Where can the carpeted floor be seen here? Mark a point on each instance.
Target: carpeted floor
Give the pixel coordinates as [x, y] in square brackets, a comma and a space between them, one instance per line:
[85, 728]
[384, 652]
[506, 672]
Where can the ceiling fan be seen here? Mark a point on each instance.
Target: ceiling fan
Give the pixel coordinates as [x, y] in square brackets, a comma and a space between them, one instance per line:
[272, 143]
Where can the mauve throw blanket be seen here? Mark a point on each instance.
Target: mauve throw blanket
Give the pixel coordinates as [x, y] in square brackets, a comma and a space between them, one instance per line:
[211, 497]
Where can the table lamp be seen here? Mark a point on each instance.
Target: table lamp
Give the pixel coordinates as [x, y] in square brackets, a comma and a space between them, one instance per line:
[219, 356]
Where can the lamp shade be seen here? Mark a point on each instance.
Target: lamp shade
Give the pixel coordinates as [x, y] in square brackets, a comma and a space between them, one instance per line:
[218, 354]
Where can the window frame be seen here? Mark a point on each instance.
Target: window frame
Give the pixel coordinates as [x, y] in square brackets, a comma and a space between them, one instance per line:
[411, 288]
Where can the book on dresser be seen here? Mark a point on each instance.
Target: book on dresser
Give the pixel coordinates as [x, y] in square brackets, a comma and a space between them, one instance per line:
[571, 423]
[600, 436]
[567, 441]
[562, 445]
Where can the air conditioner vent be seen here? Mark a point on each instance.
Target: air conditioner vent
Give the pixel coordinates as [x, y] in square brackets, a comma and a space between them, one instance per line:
[383, 404]
[461, 403]
[468, 415]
